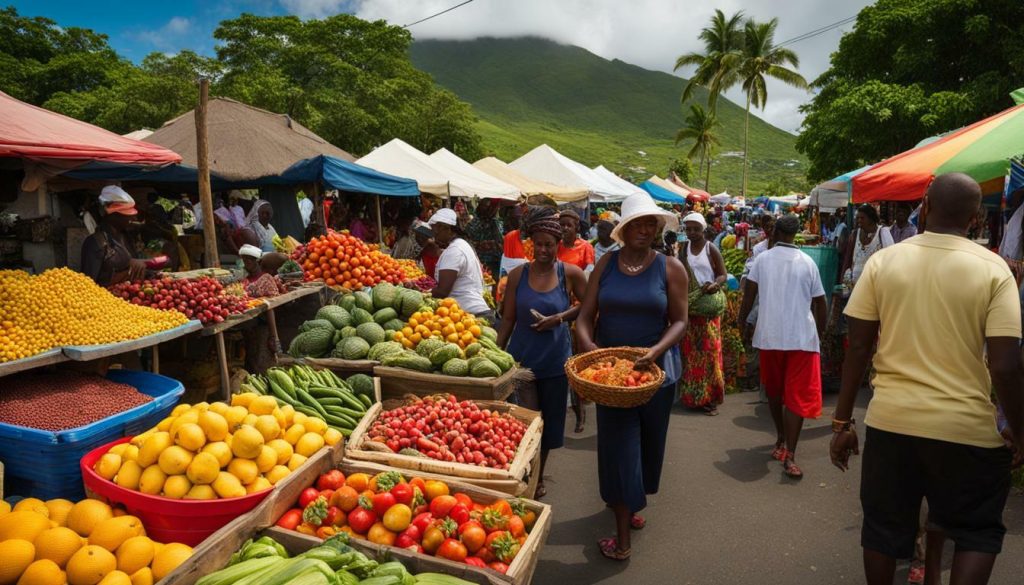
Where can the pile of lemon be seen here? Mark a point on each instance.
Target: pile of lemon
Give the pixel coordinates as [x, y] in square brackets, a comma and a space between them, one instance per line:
[62, 307]
[212, 451]
[447, 323]
[58, 542]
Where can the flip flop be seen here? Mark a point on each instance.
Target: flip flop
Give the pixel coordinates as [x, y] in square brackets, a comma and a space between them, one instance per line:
[791, 469]
[637, 522]
[610, 549]
[711, 410]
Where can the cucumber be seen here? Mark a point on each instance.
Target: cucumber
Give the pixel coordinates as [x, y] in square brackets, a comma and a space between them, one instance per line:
[353, 402]
[366, 400]
[310, 401]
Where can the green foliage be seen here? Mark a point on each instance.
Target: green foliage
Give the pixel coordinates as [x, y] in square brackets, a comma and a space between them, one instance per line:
[701, 127]
[908, 70]
[683, 168]
[722, 39]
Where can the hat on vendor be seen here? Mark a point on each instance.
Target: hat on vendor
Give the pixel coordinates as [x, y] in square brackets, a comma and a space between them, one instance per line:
[116, 200]
[696, 218]
[641, 205]
[443, 216]
[251, 251]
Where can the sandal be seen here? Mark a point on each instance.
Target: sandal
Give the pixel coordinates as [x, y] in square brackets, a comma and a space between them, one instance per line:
[610, 549]
[711, 410]
[790, 467]
[540, 492]
[780, 452]
[637, 522]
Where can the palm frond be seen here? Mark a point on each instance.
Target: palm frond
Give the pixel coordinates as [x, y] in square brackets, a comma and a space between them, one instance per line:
[787, 76]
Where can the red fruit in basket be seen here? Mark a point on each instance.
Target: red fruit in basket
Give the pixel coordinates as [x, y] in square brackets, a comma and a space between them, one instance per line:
[382, 503]
[423, 521]
[459, 513]
[498, 566]
[291, 519]
[403, 493]
[332, 480]
[452, 550]
[361, 519]
[476, 562]
[307, 496]
[441, 505]
[474, 536]
[334, 515]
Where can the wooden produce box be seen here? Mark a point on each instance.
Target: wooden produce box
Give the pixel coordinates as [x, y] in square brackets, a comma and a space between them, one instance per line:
[517, 480]
[397, 382]
[338, 366]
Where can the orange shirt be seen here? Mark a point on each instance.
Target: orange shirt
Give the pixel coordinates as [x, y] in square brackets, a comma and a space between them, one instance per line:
[581, 254]
[514, 247]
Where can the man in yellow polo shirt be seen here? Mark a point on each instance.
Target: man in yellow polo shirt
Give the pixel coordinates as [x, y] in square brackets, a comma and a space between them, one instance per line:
[942, 304]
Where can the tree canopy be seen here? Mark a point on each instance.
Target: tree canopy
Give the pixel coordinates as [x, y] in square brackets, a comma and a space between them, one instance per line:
[908, 70]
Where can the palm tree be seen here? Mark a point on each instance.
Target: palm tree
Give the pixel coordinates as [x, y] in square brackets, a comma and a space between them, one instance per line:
[700, 127]
[761, 59]
[715, 70]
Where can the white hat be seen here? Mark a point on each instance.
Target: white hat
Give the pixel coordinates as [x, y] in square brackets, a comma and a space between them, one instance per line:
[445, 216]
[696, 218]
[641, 205]
[114, 194]
[250, 250]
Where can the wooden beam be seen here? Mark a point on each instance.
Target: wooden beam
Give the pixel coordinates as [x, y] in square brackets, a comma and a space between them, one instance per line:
[205, 194]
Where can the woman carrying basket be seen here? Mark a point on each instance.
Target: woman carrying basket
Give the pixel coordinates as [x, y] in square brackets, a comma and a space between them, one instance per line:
[636, 297]
[535, 311]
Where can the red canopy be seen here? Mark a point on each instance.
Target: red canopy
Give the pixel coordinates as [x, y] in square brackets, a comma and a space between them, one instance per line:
[30, 132]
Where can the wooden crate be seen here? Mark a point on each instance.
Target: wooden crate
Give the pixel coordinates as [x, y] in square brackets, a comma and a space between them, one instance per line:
[517, 480]
[338, 366]
[397, 382]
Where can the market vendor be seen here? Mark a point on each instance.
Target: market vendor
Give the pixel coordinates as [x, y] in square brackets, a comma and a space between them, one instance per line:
[406, 246]
[107, 254]
[429, 250]
[258, 231]
[459, 274]
[261, 271]
[573, 249]
[485, 234]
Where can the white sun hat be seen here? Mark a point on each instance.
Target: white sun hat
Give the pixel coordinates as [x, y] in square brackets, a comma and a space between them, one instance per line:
[641, 205]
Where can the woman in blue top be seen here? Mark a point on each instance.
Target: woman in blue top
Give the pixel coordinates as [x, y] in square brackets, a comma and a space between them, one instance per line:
[541, 342]
[636, 297]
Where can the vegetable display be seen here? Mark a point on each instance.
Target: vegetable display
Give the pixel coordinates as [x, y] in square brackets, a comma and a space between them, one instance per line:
[39, 400]
[317, 393]
[415, 514]
[81, 543]
[735, 261]
[616, 372]
[343, 260]
[61, 307]
[202, 298]
[215, 451]
[442, 428]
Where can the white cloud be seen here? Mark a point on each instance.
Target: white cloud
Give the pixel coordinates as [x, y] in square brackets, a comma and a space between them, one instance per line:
[168, 37]
[315, 8]
[648, 33]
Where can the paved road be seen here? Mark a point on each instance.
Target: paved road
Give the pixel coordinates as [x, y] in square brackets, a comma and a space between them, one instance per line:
[726, 513]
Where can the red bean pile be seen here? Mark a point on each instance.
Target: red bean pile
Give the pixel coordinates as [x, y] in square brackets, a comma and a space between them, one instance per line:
[64, 400]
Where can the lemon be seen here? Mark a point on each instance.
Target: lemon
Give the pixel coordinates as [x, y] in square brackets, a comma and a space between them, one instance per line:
[165, 424]
[214, 425]
[135, 553]
[220, 408]
[203, 469]
[282, 420]
[332, 437]
[266, 460]
[247, 442]
[130, 454]
[262, 405]
[168, 559]
[90, 565]
[309, 444]
[109, 534]
[235, 415]
[152, 480]
[294, 433]
[32, 505]
[190, 417]
[116, 578]
[176, 487]
[278, 473]
[87, 514]
[228, 486]
[108, 465]
[250, 419]
[258, 485]
[299, 419]
[268, 426]
[141, 438]
[43, 572]
[244, 399]
[129, 474]
[289, 414]
[201, 407]
[221, 451]
[16, 555]
[143, 576]
[244, 469]
[57, 545]
[282, 449]
[201, 492]
[174, 460]
[150, 451]
[5, 508]
[296, 461]
[315, 425]
[58, 510]
[190, 436]
[181, 409]
[119, 448]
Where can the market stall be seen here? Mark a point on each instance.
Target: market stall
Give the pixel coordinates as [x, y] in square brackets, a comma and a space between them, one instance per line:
[546, 164]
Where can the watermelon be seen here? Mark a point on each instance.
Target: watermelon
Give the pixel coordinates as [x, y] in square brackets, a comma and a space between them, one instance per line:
[371, 332]
[338, 317]
[351, 348]
[364, 301]
[360, 316]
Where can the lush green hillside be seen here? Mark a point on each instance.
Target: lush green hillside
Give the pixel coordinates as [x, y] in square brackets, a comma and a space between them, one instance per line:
[529, 91]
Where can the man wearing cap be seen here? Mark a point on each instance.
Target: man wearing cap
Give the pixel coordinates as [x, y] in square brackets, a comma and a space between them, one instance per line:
[107, 253]
[573, 249]
[458, 273]
[787, 336]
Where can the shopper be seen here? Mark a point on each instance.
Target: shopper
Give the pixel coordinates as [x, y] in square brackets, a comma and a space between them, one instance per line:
[541, 342]
[430, 252]
[868, 238]
[787, 337]
[902, 229]
[458, 272]
[485, 233]
[107, 255]
[573, 249]
[636, 297]
[944, 342]
[604, 243]
[258, 231]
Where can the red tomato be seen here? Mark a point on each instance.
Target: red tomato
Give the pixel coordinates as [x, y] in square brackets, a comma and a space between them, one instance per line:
[474, 536]
[503, 507]
[422, 521]
[441, 505]
[452, 549]
[516, 526]
[291, 519]
[307, 497]
[433, 537]
[361, 520]
[476, 562]
[413, 533]
[459, 513]
[498, 566]
[403, 493]
[464, 499]
[382, 502]
[332, 480]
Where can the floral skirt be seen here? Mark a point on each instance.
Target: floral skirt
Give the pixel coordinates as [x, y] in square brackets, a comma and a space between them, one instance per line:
[703, 381]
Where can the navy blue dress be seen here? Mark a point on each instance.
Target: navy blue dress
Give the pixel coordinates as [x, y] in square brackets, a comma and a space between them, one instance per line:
[544, 352]
[633, 311]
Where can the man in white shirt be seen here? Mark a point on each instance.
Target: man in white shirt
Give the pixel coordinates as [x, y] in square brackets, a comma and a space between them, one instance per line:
[787, 337]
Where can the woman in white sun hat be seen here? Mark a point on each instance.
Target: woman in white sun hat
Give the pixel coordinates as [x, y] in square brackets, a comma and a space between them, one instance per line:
[635, 297]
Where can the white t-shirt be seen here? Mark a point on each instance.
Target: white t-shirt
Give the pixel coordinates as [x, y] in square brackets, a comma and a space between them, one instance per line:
[469, 282]
[787, 280]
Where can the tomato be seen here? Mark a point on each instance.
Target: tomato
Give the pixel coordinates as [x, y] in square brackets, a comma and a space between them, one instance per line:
[382, 503]
[529, 519]
[476, 562]
[485, 554]
[503, 507]
[345, 498]
[403, 493]
[308, 496]
[441, 505]
[326, 532]
[432, 539]
[361, 519]
[473, 537]
[379, 534]
[290, 519]
[463, 498]
[397, 518]
[434, 488]
[504, 546]
[423, 521]
[413, 533]
[405, 541]
[334, 515]
[358, 481]
[327, 495]
[419, 483]
[452, 549]
[332, 480]
[493, 521]
[498, 566]
[516, 526]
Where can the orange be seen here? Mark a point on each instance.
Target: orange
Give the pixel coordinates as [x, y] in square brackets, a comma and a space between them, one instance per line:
[57, 545]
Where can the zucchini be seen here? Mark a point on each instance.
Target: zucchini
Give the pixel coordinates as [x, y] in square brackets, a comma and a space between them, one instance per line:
[353, 402]
[366, 400]
[310, 401]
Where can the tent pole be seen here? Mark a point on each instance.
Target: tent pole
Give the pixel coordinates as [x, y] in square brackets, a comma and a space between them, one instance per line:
[205, 194]
[318, 206]
[380, 227]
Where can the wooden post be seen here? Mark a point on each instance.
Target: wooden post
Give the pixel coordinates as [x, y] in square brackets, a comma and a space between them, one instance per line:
[205, 194]
[318, 205]
[380, 227]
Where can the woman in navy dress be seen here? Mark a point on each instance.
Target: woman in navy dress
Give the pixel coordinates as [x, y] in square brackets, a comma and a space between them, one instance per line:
[636, 297]
[542, 344]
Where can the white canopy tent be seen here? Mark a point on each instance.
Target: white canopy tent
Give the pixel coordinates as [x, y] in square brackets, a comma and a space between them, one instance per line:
[616, 180]
[722, 198]
[466, 178]
[402, 160]
[547, 164]
[528, 185]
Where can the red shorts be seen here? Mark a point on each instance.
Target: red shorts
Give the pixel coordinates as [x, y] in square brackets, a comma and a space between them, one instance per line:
[796, 377]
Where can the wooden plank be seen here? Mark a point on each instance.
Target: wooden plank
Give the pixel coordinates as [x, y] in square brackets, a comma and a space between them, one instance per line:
[47, 358]
[85, 353]
[397, 382]
[233, 321]
[274, 302]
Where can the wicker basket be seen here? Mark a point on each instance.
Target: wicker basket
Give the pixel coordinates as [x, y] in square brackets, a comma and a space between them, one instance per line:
[604, 394]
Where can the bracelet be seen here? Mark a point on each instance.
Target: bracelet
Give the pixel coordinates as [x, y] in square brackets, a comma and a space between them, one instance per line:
[839, 426]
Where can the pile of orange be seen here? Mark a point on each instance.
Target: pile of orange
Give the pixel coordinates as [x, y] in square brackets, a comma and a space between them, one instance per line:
[411, 269]
[447, 323]
[343, 260]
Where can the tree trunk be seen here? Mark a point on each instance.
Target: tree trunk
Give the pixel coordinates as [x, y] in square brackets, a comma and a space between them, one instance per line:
[700, 167]
[746, 146]
[707, 177]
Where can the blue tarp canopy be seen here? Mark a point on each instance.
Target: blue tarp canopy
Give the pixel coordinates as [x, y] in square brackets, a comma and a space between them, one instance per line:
[661, 194]
[177, 174]
[342, 175]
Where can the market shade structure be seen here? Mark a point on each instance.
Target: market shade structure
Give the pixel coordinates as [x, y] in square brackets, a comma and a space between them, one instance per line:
[402, 160]
[616, 180]
[695, 194]
[30, 132]
[662, 194]
[528, 185]
[722, 198]
[547, 164]
[834, 194]
[346, 176]
[245, 143]
[982, 150]
[670, 187]
[471, 180]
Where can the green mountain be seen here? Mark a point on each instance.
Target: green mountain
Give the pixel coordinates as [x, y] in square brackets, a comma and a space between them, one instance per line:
[529, 91]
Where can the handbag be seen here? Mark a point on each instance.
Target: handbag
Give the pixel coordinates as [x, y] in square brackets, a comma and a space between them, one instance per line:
[702, 304]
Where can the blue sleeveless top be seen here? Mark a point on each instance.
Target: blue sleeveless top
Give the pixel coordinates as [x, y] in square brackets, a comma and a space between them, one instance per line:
[544, 352]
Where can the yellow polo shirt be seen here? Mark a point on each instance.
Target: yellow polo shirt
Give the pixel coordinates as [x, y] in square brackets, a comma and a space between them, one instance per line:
[937, 297]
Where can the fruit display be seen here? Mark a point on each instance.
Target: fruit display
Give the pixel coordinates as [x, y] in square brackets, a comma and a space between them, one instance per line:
[443, 428]
[334, 562]
[735, 261]
[216, 451]
[616, 372]
[37, 400]
[204, 299]
[317, 393]
[411, 269]
[343, 260]
[83, 543]
[285, 245]
[413, 513]
[423, 284]
[61, 307]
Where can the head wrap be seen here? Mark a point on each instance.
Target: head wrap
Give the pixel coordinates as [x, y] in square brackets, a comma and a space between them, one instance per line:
[253, 217]
[543, 220]
[696, 218]
[445, 216]
[569, 212]
[114, 194]
[251, 251]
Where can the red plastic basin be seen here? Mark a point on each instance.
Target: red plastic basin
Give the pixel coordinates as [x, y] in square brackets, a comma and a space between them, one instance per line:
[167, 520]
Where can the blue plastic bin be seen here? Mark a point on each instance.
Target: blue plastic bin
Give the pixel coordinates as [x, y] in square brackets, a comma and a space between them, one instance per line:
[44, 464]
